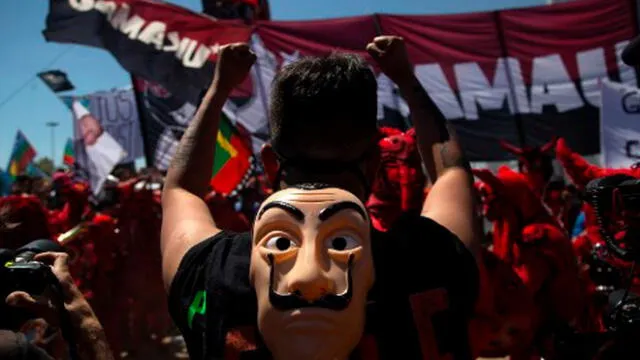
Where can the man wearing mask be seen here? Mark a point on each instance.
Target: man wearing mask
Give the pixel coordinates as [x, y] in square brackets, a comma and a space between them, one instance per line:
[324, 130]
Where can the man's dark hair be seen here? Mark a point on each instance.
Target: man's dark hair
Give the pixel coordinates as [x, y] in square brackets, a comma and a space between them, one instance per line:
[311, 186]
[321, 103]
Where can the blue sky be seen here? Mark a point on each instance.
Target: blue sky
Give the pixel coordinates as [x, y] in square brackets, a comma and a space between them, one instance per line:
[27, 104]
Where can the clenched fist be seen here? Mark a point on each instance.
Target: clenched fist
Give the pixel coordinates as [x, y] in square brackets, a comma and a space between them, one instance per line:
[391, 55]
[234, 62]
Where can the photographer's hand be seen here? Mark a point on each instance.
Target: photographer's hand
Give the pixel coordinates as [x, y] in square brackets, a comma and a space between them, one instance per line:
[87, 331]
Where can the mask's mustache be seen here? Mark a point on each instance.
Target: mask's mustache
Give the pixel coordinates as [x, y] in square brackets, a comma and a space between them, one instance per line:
[295, 300]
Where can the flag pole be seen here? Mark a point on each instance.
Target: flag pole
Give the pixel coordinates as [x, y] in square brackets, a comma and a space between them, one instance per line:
[53, 125]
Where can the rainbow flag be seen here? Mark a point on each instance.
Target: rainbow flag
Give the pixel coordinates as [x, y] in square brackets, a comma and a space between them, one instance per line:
[21, 155]
[233, 159]
[69, 156]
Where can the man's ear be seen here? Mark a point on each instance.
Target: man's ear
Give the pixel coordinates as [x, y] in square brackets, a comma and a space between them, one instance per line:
[269, 163]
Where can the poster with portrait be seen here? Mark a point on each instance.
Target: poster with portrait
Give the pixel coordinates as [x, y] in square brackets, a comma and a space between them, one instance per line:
[106, 132]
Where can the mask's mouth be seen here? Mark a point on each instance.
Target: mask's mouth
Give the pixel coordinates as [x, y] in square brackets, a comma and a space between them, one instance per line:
[294, 300]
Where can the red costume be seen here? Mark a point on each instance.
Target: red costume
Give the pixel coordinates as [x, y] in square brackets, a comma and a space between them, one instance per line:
[76, 197]
[399, 186]
[503, 317]
[225, 215]
[142, 296]
[509, 327]
[526, 236]
[535, 164]
[22, 220]
[581, 172]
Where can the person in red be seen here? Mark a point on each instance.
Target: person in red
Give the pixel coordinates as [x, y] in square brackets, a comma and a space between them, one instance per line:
[140, 289]
[399, 186]
[535, 163]
[504, 315]
[507, 325]
[581, 172]
[75, 196]
[22, 220]
[526, 236]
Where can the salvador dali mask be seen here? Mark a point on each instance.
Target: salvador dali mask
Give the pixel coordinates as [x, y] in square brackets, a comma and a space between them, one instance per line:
[311, 267]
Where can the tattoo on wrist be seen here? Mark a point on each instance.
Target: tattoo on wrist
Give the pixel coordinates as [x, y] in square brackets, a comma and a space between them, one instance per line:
[440, 121]
[453, 158]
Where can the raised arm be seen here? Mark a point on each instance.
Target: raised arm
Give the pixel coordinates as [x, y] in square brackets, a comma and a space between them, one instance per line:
[451, 200]
[186, 219]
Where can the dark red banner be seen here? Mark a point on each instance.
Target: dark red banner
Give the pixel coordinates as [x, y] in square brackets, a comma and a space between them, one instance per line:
[519, 75]
[564, 52]
[458, 59]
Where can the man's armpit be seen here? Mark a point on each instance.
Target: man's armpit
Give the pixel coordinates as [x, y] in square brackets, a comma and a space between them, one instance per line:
[174, 251]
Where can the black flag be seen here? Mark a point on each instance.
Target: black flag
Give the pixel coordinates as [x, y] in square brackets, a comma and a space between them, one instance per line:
[56, 80]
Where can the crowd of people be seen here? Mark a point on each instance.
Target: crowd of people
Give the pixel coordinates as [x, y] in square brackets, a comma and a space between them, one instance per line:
[532, 281]
[114, 245]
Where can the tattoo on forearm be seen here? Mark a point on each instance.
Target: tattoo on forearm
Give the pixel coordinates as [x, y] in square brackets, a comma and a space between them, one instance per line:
[440, 121]
[451, 155]
[184, 151]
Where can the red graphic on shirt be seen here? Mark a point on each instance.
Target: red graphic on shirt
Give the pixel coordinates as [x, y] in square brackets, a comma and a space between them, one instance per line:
[424, 306]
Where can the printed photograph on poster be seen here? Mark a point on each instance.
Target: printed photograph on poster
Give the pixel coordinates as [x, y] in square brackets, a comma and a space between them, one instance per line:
[106, 132]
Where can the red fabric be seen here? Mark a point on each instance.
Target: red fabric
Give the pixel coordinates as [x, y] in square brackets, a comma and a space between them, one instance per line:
[22, 220]
[138, 290]
[513, 204]
[581, 173]
[509, 327]
[567, 29]
[577, 168]
[253, 3]
[76, 197]
[530, 239]
[535, 162]
[225, 215]
[399, 186]
[469, 38]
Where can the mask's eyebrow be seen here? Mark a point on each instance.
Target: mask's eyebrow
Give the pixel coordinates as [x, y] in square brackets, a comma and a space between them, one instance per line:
[332, 209]
[292, 210]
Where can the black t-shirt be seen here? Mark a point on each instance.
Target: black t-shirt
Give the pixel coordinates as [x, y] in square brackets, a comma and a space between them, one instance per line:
[425, 290]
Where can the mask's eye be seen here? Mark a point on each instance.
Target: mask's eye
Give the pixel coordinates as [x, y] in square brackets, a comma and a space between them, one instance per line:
[342, 243]
[279, 243]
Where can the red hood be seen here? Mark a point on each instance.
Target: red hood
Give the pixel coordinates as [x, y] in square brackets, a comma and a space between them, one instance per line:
[24, 219]
[535, 161]
[515, 206]
[400, 183]
[513, 190]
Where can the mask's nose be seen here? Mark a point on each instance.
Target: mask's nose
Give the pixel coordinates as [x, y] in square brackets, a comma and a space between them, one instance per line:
[307, 279]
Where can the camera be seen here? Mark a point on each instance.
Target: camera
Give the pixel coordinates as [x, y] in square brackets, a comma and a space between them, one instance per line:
[19, 272]
[616, 202]
[606, 277]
